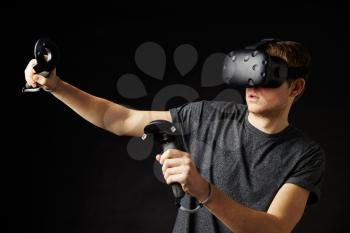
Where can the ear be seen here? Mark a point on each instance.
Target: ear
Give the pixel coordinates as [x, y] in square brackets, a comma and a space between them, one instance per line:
[297, 87]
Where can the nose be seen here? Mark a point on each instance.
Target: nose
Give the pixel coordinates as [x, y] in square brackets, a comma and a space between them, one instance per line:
[254, 89]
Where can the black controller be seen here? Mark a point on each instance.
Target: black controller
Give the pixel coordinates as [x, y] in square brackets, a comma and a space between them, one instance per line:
[164, 133]
[46, 54]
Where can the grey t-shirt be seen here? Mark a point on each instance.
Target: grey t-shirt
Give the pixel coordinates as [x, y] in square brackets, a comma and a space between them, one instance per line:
[247, 164]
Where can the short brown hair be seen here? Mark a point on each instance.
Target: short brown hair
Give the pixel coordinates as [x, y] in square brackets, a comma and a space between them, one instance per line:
[294, 53]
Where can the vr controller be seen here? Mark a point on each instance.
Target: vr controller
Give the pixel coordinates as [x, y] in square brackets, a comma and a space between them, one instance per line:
[46, 54]
[254, 67]
[164, 133]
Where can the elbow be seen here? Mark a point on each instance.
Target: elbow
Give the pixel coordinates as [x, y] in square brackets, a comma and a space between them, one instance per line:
[273, 224]
[108, 119]
[113, 119]
[280, 227]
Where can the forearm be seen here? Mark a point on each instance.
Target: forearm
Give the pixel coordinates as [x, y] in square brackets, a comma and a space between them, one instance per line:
[91, 108]
[284, 212]
[241, 219]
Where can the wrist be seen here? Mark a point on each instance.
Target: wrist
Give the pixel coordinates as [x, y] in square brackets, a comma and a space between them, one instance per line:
[55, 85]
[206, 192]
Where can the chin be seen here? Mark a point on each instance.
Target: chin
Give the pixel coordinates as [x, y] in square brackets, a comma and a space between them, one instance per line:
[254, 108]
[258, 109]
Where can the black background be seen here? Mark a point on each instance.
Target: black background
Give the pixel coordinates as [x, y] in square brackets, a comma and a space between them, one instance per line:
[62, 174]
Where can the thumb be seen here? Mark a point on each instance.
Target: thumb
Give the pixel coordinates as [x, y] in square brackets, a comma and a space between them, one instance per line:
[39, 79]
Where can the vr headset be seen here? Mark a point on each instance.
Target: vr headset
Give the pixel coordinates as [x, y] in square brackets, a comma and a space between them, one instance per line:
[254, 67]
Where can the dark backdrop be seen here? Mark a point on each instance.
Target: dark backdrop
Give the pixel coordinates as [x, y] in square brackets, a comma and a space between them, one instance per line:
[62, 174]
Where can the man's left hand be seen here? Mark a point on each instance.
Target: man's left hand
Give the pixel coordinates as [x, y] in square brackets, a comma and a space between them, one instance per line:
[178, 167]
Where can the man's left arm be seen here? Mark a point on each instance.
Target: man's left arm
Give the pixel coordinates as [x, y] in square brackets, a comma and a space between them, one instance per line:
[283, 214]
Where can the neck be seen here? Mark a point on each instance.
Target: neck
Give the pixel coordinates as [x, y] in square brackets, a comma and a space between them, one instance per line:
[269, 123]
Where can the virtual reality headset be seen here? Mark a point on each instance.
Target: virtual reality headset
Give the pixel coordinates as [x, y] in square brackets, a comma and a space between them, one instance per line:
[254, 67]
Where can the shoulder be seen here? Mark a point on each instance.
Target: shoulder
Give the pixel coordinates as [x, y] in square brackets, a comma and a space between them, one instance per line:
[311, 154]
[311, 151]
[206, 108]
[223, 107]
[308, 144]
[308, 165]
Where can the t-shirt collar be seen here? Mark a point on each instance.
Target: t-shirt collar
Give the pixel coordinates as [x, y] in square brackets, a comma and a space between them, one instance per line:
[257, 131]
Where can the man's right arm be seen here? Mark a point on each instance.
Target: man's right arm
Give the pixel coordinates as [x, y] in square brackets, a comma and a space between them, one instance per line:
[106, 114]
[100, 112]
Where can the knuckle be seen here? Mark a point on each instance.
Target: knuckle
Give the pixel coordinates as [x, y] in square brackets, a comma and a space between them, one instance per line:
[185, 188]
[27, 71]
[165, 164]
[171, 150]
[169, 153]
[183, 179]
[165, 154]
[166, 174]
[187, 171]
[187, 161]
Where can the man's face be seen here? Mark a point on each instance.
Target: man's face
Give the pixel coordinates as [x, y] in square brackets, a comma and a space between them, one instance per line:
[268, 101]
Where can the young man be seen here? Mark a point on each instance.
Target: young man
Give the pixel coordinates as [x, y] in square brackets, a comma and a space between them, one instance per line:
[256, 172]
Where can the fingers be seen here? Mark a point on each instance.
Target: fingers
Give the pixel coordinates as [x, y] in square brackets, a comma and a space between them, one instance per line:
[177, 162]
[177, 178]
[29, 73]
[172, 171]
[39, 79]
[34, 79]
[172, 153]
[176, 166]
[184, 170]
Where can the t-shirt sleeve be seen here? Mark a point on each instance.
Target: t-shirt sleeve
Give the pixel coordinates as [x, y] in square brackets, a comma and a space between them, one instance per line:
[187, 116]
[309, 172]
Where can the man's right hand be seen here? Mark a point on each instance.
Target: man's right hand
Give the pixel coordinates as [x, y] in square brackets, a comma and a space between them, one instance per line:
[35, 80]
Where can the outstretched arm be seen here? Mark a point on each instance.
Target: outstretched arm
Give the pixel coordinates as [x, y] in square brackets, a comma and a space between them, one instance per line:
[100, 112]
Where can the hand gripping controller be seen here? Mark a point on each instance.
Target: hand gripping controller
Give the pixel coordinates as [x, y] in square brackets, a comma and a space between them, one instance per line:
[46, 54]
[164, 133]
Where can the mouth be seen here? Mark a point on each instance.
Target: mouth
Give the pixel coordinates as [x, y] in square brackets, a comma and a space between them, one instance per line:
[252, 97]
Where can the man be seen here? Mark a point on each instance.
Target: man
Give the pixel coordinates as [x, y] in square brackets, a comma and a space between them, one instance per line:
[254, 171]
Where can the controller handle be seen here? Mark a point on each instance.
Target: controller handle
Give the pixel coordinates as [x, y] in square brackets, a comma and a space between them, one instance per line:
[164, 132]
